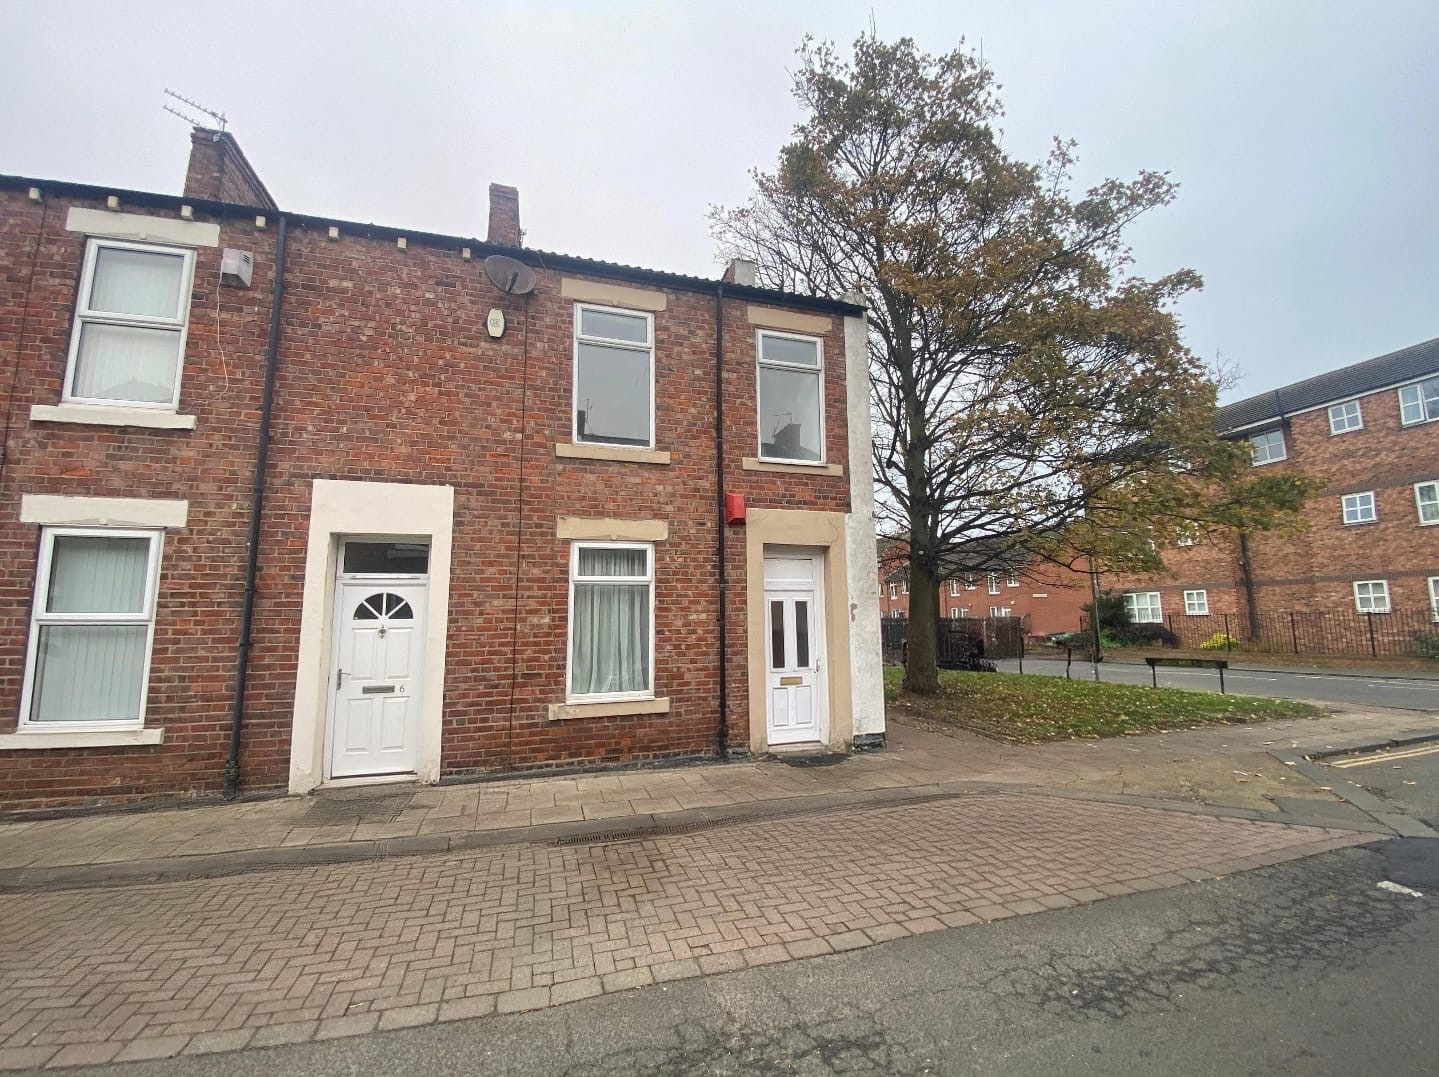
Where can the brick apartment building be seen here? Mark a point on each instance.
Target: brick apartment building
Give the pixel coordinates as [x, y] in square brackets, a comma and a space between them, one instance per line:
[1047, 597]
[1371, 545]
[293, 501]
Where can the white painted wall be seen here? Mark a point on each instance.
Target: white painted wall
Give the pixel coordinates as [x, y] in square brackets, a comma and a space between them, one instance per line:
[866, 668]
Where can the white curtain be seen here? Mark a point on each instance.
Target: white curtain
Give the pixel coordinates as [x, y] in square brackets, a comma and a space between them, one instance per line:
[611, 624]
[92, 672]
[138, 283]
[126, 362]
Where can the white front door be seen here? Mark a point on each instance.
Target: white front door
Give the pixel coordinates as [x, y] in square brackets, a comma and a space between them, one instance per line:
[375, 679]
[794, 646]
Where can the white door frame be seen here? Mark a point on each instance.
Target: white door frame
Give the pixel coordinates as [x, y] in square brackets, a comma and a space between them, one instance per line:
[339, 624]
[813, 590]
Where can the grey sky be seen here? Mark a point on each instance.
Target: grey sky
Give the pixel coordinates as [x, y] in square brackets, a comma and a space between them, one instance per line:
[1304, 134]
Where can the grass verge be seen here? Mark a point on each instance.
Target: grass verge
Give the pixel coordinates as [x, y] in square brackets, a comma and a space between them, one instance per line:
[1032, 709]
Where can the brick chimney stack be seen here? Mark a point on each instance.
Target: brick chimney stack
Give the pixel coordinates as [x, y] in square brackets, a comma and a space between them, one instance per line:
[504, 215]
[219, 172]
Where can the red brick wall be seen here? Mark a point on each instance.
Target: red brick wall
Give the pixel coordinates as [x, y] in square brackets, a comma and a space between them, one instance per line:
[1316, 568]
[219, 172]
[386, 373]
[1048, 597]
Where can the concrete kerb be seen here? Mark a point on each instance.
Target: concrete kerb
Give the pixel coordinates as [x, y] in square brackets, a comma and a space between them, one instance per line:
[202, 866]
[1381, 811]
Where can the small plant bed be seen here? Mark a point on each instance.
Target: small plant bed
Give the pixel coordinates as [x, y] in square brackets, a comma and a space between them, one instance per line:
[1033, 709]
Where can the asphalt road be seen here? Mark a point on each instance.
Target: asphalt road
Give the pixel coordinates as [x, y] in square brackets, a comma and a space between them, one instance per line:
[1306, 968]
[1377, 691]
[1406, 777]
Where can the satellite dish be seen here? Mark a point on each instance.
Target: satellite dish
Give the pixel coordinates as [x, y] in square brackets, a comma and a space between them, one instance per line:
[510, 275]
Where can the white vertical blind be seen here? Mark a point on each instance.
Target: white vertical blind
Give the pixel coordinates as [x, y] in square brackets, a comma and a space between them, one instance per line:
[94, 574]
[143, 284]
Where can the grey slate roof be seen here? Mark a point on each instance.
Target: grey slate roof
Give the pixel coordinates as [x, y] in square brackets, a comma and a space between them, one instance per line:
[1407, 364]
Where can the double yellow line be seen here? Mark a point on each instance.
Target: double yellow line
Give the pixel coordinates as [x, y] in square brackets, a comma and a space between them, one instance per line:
[1381, 757]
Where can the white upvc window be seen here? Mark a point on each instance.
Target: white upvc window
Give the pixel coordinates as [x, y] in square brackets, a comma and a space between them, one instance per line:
[1196, 603]
[1013, 578]
[1188, 535]
[1434, 597]
[1345, 417]
[1371, 596]
[904, 585]
[612, 624]
[994, 583]
[1426, 497]
[614, 381]
[91, 629]
[1143, 607]
[1359, 508]
[1419, 403]
[896, 613]
[1268, 447]
[893, 591]
[127, 346]
[790, 377]
[953, 588]
[970, 581]
[999, 611]
[954, 613]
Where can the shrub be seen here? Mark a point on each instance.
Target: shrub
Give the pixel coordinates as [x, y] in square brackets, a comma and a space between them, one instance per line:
[1428, 644]
[1146, 635]
[1220, 641]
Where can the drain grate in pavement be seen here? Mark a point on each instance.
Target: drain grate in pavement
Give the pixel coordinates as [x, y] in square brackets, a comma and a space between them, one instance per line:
[827, 760]
[330, 809]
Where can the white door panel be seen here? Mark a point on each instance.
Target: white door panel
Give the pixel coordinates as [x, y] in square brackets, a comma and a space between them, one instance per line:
[794, 644]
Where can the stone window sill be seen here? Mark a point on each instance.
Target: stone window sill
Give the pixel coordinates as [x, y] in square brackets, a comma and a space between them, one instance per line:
[611, 452]
[559, 712]
[96, 415]
[81, 738]
[750, 463]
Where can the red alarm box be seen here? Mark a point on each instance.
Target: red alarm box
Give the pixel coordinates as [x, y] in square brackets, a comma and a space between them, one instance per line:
[734, 508]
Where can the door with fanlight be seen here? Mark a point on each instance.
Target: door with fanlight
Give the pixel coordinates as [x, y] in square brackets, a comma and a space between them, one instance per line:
[794, 647]
[376, 677]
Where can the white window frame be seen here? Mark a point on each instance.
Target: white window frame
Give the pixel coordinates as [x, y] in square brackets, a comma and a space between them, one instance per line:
[38, 618]
[1001, 611]
[904, 585]
[1383, 589]
[1012, 580]
[970, 581]
[1188, 536]
[1417, 390]
[609, 342]
[85, 316]
[1419, 501]
[1256, 440]
[993, 582]
[647, 580]
[953, 587]
[893, 591]
[817, 371]
[1434, 597]
[1196, 603]
[1131, 603]
[1341, 421]
[1353, 507]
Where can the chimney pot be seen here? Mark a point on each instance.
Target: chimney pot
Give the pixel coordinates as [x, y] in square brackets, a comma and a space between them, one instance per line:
[504, 215]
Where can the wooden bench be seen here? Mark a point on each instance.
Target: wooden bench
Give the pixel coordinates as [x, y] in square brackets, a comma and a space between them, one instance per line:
[1188, 663]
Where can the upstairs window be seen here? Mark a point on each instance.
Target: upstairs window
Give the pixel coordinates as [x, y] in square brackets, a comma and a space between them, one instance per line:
[1359, 508]
[1268, 447]
[614, 377]
[791, 398]
[994, 583]
[91, 629]
[1426, 496]
[1188, 535]
[1012, 579]
[1419, 403]
[128, 341]
[1345, 417]
[969, 584]
[954, 588]
[893, 591]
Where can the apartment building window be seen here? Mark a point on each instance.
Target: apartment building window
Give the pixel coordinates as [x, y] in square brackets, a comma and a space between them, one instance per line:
[614, 377]
[92, 628]
[1371, 596]
[1196, 603]
[896, 614]
[904, 585]
[132, 313]
[1426, 496]
[994, 583]
[1268, 447]
[1013, 578]
[1434, 597]
[1359, 508]
[893, 591]
[1188, 535]
[999, 611]
[1143, 606]
[1345, 417]
[953, 588]
[1419, 403]
[969, 581]
[611, 621]
[791, 398]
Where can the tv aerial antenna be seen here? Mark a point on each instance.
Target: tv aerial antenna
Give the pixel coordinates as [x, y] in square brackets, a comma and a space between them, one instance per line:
[217, 118]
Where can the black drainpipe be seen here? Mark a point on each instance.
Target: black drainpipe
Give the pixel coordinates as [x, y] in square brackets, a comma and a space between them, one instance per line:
[720, 521]
[257, 505]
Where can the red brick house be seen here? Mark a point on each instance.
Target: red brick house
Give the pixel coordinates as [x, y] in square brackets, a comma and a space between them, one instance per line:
[1371, 545]
[289, 501]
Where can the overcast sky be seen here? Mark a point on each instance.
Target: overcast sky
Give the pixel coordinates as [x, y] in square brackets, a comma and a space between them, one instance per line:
[1303, 134]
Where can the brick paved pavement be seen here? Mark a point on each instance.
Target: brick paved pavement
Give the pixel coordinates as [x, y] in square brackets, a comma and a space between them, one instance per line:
[324, 951]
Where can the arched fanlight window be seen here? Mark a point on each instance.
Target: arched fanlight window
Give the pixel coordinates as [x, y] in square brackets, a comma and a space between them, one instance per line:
[384, 604]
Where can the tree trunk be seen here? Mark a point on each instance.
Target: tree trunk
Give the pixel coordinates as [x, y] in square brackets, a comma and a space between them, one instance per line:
[921, 673]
